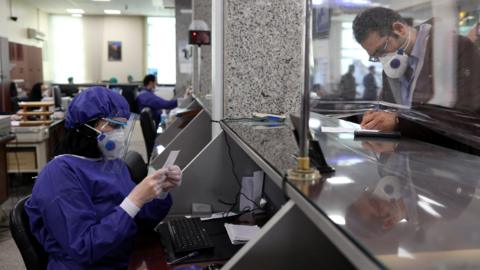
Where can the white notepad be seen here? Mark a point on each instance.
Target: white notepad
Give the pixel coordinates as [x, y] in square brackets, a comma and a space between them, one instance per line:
[240, 234]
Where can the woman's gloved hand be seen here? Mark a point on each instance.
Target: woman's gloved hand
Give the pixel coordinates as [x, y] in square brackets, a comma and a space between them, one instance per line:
[173, 179]
[149, 188]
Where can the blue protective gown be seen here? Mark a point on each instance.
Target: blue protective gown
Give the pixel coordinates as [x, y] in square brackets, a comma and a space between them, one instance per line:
[146, 98]
[74, 213]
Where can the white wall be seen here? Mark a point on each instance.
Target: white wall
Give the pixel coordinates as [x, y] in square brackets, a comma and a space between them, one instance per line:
[131, 32]
[97, 31]
[28, 17]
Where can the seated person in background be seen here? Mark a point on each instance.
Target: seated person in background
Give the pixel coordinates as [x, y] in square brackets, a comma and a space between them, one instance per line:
[147, 98]
[406, 54]
[85, 209]
[37, 92]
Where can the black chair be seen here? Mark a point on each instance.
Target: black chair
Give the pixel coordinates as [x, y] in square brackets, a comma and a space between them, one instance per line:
[33, 254]
[148, 129]
[130, 93]
[136, 166]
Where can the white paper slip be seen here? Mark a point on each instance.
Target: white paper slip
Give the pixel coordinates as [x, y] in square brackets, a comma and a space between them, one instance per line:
[240, 234]
[171, 158]
[219, 215]
[345, 130]
[170, 161]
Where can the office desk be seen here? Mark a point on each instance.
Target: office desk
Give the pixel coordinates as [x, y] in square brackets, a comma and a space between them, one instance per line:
[33, 147]
[4, 182]
[392, 203]
[149, 254]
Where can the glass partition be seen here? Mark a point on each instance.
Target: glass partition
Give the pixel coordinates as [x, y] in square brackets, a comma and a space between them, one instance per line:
[411, 66]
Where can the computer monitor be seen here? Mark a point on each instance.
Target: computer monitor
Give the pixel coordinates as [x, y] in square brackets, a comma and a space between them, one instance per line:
[57, 97]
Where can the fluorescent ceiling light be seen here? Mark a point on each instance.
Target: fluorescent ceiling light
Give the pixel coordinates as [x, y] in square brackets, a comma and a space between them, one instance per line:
[75, 10]
[101, 0]
[76, 15]
[112, 11]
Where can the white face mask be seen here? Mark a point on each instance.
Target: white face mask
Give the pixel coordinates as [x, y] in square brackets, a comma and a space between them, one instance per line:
[388, 188]
[112, 143]
[394, 64]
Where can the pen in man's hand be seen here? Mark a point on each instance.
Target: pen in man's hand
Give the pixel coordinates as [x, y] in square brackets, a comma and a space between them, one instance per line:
[190, 255]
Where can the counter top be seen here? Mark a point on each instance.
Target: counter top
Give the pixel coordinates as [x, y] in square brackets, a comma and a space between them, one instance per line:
[406, 204]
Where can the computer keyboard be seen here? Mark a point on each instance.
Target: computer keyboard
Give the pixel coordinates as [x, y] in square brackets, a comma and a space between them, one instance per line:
[188, 235]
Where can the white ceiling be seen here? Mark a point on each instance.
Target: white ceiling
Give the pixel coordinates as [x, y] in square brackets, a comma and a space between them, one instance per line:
[128, 7]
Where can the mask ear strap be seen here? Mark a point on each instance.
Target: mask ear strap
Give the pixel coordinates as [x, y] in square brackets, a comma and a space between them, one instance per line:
[402, 50]
[94, 129]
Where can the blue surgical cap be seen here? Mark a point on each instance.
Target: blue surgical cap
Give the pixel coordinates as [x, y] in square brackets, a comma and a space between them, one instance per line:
[96, 102]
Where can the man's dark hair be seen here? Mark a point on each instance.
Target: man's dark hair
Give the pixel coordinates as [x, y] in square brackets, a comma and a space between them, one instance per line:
[377, 19]
[149, 78]
[371, 68]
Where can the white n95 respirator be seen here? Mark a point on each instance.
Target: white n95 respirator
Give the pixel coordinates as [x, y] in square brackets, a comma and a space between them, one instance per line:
[394, 64]
[112, 144]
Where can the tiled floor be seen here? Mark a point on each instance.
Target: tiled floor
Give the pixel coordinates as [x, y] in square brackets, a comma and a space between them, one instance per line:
[10, 258]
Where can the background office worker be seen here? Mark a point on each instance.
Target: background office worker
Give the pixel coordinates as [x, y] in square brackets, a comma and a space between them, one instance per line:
[370, 85]
[85, 209]
[406, 56]
[147, 98]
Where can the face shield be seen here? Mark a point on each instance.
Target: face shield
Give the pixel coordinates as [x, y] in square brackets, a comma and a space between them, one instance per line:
[114, 135]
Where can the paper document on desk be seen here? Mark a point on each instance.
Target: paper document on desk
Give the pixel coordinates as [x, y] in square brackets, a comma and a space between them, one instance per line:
[240, 234]
[345, 129]
[219, 215]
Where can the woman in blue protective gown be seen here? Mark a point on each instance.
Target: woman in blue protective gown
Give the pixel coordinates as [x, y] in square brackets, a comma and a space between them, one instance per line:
[85, 209]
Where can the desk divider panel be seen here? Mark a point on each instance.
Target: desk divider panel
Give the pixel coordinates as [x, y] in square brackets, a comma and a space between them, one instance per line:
[289, 240]
[209, 178]
[169, 134]
[172, 131]
[190, 141]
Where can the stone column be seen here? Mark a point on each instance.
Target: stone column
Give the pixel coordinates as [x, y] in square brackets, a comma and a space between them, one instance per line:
[202, 10]
[263, 56]
[183, 18]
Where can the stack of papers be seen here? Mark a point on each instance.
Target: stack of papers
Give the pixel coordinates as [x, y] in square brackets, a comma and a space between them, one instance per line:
[240, 234]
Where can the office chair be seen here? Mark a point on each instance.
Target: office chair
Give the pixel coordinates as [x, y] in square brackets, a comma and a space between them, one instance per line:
[130, 94]
[33, 254]
[136, 166]
[148, 129]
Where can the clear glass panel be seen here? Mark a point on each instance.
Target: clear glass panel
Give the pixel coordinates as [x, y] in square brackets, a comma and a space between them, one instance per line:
[409, 65]
[425, 83]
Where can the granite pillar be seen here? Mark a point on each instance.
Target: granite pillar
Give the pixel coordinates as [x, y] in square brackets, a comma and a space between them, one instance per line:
[263, 56]
[202, 10]
[183, 18]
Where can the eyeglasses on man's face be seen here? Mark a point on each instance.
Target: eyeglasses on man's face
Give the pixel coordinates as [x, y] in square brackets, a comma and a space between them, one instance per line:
[379, 52]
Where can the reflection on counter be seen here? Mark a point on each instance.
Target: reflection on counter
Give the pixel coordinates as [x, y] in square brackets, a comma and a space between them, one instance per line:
[397, 198]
